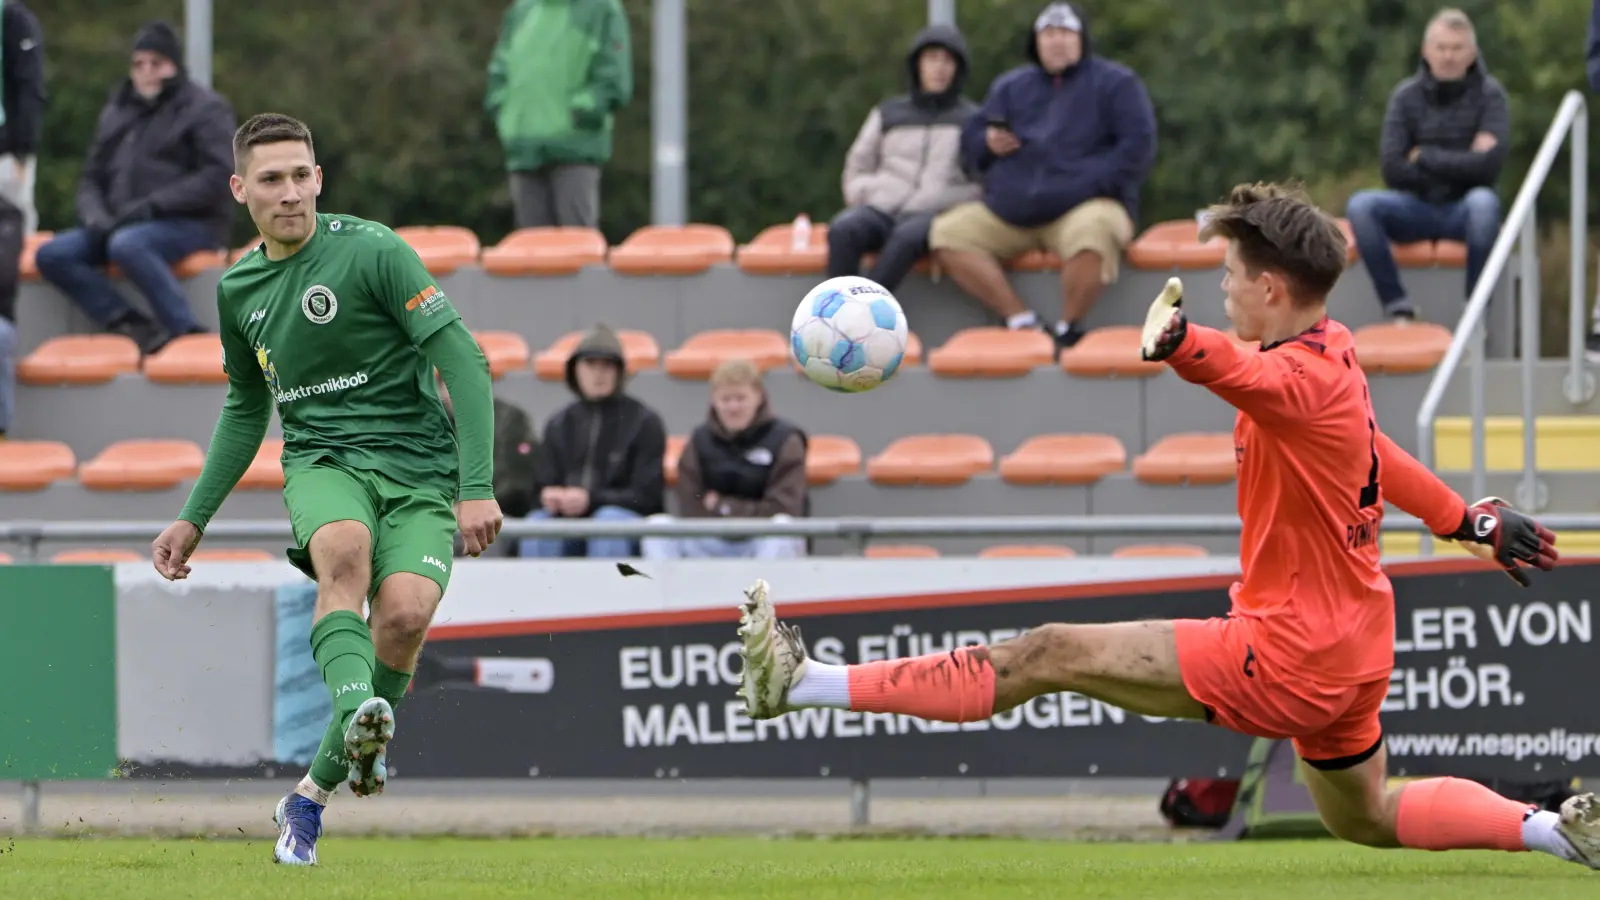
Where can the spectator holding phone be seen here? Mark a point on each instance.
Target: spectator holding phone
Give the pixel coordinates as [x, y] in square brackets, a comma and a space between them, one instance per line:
[1063, 146]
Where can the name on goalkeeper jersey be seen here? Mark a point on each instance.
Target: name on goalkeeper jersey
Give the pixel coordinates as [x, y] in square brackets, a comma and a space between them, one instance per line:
[331, 386]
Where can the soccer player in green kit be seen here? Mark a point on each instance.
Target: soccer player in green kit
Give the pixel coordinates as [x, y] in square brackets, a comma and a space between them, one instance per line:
[337, 320]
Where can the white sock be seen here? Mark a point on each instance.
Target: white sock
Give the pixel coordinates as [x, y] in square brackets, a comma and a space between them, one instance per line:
[1539, 833]
[822, 685]
[1028, 319]
[309, 790]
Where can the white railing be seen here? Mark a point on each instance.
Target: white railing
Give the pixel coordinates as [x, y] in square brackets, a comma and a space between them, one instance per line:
[1520, 229]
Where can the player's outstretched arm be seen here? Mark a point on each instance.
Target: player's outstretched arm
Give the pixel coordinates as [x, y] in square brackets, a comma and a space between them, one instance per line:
[456, 354]
[1489, 529]
[245, 415]
[1267, 387]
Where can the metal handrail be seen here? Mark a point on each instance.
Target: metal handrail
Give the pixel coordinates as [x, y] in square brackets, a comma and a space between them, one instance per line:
[1519, 228]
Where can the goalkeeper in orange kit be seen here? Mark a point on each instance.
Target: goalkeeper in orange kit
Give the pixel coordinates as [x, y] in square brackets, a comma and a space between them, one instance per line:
[1306, 651]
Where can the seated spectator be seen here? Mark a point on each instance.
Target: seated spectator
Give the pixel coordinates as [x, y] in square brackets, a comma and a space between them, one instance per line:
[1444, 142]
[741, 463]
[516, 453]
[905, 165]
[602, 454]
[154, 190]
[1063, 146]
[22, 93]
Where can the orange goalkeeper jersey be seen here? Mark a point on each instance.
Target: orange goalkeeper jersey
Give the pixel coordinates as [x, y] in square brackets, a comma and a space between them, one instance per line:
[1314, 472]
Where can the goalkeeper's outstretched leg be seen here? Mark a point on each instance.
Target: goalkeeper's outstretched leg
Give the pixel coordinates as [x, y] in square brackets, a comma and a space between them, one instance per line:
[1187, 669]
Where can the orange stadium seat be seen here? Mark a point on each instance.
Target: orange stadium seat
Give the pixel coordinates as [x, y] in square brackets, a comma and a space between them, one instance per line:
[142, 465]
[1427, 254]
[992, 352]
[190, 359]
[1026, 551]
[79, 359]
[669, 460]
[557, 250]
[702, 353]
[95, 557]
[1350, 253]
[238, 253]
[672, 250]
[266, 470]
[1396, 348]
[830, 457]
[1110, 352]
[230, 554]
[900, 551]
[442, 248]
[1035, 261]
[639, 351]
[27, 267]
[1175, 245]
[5, 559]
[506, 351]
[773, 252]
[1144, 551]
[1188, 459]
[34, 465]
[1063, 459]
[931, 459]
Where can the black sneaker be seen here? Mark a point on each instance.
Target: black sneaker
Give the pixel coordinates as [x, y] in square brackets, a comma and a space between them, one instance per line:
[1065, 340]
[1400, 312]
[143, 332]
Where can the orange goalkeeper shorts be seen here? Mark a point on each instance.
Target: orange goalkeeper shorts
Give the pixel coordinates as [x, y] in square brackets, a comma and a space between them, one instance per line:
[1333, 726]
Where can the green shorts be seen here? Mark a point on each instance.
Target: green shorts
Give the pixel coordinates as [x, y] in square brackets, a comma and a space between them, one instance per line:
[412, 529]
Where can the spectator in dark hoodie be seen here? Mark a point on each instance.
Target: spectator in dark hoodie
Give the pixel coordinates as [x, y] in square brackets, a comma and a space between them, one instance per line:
[601, 457]
[154, 189]
[22, 99]
[1445, 136]
[742, 462]
[905, 165]
[1063, 146]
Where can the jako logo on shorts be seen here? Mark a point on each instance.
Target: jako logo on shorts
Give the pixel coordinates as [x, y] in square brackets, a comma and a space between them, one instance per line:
[331, 386]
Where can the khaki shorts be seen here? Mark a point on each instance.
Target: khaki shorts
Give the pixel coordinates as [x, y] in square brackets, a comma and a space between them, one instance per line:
[1099, 226]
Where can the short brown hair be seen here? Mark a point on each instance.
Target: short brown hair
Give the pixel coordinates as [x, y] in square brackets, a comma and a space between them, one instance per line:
[735, 372]
[1276, 227]
[268, 128]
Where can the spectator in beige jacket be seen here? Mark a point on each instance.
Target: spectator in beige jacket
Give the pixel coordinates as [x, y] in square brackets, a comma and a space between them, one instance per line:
[905, 165]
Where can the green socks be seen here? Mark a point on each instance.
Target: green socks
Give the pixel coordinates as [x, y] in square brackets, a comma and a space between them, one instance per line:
[390, 684]
[341, 643]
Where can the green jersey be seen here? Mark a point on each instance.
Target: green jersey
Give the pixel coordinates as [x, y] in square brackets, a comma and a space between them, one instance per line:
[334, 332]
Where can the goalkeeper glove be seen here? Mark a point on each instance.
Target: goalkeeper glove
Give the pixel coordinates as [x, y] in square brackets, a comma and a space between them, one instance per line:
[1165, 325]
[1491, 530]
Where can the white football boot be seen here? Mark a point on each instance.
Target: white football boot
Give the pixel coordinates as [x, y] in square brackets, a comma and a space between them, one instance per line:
[1580, 825]
[773, 653]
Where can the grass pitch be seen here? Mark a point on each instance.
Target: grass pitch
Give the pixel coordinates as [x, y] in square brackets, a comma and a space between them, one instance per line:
[603, 868]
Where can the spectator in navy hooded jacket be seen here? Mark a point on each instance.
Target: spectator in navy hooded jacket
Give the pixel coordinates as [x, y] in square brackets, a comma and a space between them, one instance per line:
[1063, 145]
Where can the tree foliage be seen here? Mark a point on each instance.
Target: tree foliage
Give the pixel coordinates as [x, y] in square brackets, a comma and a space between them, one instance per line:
[777, 89]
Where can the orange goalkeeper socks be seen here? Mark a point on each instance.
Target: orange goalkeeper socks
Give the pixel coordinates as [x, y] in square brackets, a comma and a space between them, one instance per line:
[1456, 814]
[949, 687]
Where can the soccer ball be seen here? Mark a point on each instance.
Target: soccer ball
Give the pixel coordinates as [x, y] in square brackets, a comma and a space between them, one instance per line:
[849, 334]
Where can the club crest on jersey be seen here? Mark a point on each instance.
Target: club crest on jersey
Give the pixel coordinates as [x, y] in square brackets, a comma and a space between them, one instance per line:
[268, 370]
[319, 304]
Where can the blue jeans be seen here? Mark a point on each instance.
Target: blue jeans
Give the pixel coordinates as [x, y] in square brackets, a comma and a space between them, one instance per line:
[145, 253]
[594, 548]
[1381, 217]
[8, 372]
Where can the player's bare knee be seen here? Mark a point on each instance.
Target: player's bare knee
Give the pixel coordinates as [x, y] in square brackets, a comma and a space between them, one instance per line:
[404, 609]
[1045, 658]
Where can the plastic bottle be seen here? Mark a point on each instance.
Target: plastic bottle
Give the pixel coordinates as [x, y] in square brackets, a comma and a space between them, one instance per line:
[801, 233]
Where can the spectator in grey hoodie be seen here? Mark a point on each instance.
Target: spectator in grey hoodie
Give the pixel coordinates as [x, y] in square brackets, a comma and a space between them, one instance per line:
[905, 164]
